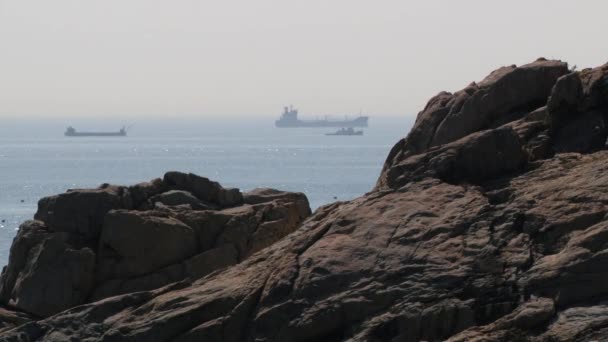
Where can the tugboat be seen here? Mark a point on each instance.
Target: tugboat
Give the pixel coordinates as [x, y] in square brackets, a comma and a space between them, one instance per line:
[289, 118]
[346, 131]
[71, 132]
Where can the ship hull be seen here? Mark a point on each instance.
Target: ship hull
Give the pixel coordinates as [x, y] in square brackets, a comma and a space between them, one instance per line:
[344, 134]
[96, 134]
[358, 122]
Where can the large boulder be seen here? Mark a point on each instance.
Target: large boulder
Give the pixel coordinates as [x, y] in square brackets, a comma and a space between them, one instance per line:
[89, 244]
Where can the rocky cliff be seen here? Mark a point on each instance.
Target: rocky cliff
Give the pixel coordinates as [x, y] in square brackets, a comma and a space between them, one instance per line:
[488, 223]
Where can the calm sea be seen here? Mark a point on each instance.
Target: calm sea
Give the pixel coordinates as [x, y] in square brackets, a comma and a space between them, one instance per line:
[36, 160]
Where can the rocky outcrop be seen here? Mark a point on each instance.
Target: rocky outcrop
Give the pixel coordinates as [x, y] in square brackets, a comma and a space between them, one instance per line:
[506, 94]
[89, 244]
[548, 108]
[488, 223]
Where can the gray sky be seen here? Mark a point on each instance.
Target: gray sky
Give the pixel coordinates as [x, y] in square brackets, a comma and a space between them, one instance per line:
[174, 58]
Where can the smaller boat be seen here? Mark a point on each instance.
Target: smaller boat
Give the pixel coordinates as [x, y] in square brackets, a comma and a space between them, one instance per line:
[346, 131]
[71, 132]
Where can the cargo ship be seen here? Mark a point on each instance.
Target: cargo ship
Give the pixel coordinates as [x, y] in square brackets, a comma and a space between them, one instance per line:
[289, 118]
[71, 132]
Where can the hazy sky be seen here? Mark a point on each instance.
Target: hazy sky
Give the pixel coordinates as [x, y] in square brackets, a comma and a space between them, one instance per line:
[174, 58]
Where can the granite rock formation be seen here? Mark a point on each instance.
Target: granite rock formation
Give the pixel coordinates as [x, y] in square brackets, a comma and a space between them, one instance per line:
[488, 223]
[89, 244]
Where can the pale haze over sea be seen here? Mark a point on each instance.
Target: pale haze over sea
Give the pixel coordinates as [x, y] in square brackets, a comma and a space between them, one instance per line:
[36, 160]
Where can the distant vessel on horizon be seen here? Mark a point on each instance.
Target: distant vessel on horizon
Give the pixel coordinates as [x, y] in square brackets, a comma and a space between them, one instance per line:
[289, 118]
[346, 131]
[71, 132]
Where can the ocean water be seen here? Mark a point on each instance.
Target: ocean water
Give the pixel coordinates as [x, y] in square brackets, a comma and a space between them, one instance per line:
[36, 160]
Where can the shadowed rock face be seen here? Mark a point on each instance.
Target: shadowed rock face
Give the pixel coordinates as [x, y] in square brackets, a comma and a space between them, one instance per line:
[90, 244]
[488, 223]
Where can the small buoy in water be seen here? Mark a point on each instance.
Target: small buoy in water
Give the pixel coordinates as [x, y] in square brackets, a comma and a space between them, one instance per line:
[3, 221]
[335, 197]
[22, 201]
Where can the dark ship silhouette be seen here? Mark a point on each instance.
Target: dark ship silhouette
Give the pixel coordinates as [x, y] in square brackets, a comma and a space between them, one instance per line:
[289, 118]
[71, 132]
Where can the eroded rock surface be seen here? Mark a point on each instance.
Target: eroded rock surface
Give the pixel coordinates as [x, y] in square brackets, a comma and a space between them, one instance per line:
[488, 223]
[90, 244]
